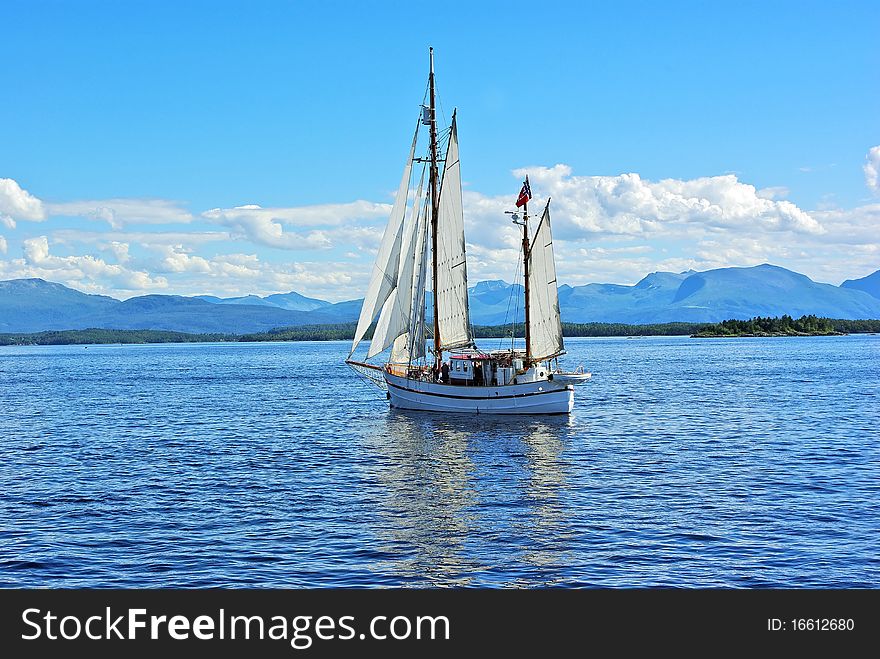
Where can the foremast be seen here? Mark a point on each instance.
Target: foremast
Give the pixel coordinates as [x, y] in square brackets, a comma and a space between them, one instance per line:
[543, 325]
[523, 200]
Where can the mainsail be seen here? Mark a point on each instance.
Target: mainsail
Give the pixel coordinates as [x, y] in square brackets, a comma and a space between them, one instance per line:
[386, 268]
[451, 285]
[545, 325]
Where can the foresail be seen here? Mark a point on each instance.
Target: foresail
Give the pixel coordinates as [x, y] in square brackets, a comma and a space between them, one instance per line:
[386, 268]
[451, 285]
[545, 325]
[416, 344]
[381, 335]
[396, 315]
[410, 345]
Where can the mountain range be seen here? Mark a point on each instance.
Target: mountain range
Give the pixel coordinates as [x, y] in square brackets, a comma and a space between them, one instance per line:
[33, 305]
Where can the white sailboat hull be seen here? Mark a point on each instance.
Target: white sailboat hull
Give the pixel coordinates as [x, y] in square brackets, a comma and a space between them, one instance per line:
[541, 397]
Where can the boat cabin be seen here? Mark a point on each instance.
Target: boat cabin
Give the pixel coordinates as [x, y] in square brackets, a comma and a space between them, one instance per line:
[469, 368]
[498, 368]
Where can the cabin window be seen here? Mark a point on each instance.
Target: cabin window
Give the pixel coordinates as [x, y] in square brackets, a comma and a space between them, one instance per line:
[465, 368]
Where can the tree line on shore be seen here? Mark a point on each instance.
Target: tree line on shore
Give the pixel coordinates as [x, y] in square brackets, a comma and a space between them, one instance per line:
[782, 326]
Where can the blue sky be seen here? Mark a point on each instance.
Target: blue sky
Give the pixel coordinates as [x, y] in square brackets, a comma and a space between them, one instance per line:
[689, 134]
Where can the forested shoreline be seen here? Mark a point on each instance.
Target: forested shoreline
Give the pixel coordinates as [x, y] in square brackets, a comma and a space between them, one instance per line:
[783, 326]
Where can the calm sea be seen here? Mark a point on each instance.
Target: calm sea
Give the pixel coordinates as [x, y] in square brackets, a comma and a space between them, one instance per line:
[694, 463]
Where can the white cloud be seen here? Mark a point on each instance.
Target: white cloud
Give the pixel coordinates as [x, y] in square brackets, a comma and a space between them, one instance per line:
[266, 226]
[3, 245]
[119, 213]
[266, 231]
[238, 274]
[243, 274]
[603, 252]
[872, 168]
[607, 229]
[83, 272]
[18, 204]
[176, 258]
[774, 192]
[860, 225]
[119, 251]
[146, 239]
[605, 226]
[303, 216]
[628, 204]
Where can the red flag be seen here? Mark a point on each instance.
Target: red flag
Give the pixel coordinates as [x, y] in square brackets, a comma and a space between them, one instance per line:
[525, 194]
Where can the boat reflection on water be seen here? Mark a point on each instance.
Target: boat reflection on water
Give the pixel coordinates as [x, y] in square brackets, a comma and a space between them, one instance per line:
[459, 492]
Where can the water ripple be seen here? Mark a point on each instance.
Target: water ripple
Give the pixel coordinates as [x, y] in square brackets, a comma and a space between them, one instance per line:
[732, 464]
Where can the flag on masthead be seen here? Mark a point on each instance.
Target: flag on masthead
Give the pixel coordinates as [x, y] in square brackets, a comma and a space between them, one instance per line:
[525, 194]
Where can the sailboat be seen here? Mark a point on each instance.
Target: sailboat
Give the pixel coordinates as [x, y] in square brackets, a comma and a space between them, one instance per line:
[424, 239]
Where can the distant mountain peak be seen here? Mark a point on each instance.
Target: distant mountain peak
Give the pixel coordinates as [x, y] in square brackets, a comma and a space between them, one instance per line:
[33, 304]
[32, 281]
[660, 279]
[488, 286]
[870, 284]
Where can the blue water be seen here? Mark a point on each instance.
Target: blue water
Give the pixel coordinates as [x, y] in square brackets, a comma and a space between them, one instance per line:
[695, 463]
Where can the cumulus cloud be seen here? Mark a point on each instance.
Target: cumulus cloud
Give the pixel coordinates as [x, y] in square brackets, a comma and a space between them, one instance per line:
[266, 226]
[81, 271]
[119, 213]
[619, 228]
[119, 251]
[18, 204]
[243, 274]
[628, 204]
[236, 274]
[3, 245]
[872, 168]
[264, 230]
[177, 258]
[607, 229]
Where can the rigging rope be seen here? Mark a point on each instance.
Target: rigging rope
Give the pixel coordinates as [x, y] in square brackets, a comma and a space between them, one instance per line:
[513, 293]
[370, 374]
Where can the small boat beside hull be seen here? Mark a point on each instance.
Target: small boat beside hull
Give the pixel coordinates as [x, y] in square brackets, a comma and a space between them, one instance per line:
[542, 397]
[572, 378]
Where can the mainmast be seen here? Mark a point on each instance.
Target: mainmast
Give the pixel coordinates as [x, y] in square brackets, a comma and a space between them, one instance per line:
[434, 204]
[525, 244]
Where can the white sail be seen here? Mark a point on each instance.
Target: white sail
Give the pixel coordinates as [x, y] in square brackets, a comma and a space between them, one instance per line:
[386, 268]
[410, 345]
[417, 337]
[396, 314]
[400, 349]
[545, 325]
[451, 285]
[381, 339]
